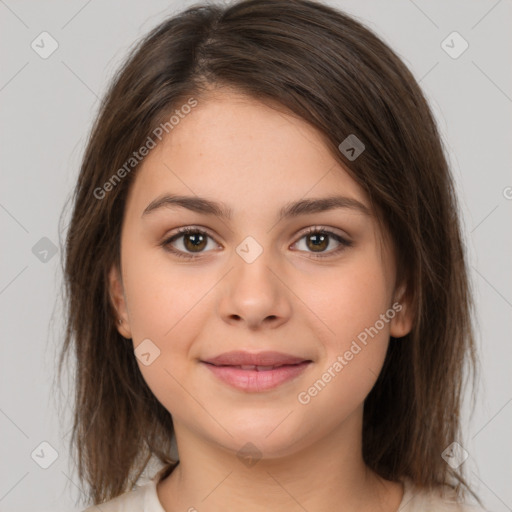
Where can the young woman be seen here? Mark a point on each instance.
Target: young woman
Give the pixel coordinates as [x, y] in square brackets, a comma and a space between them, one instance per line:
[265, 268]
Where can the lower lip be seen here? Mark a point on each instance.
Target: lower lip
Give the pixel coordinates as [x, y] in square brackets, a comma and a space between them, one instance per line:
[255, 381]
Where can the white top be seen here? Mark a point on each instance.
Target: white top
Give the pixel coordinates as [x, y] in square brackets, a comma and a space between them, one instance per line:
[144, 498]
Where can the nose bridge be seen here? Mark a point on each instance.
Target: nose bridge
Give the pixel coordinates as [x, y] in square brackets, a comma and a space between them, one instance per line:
[253, 294]
[252, 268]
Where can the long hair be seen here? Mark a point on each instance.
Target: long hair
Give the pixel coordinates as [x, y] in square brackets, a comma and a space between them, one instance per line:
[331, 71]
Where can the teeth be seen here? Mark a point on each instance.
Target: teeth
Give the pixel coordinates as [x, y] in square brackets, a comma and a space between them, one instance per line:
[258, 368]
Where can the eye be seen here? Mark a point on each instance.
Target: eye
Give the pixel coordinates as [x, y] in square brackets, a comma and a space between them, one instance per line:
[319, 239]
[190, 240]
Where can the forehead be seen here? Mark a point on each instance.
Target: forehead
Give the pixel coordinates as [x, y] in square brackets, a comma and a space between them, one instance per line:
[241, 151]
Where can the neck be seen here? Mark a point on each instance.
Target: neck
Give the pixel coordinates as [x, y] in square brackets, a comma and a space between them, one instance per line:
[327, 475]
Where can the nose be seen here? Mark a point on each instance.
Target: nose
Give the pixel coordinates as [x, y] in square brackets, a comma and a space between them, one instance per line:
[254, 296]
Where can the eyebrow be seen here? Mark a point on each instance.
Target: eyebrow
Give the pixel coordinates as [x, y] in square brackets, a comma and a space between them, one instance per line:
[294, 209]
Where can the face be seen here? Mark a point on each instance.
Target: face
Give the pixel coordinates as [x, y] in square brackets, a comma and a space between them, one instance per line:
[316, 283]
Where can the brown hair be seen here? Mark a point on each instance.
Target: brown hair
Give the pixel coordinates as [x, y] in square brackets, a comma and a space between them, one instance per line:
[331, 71]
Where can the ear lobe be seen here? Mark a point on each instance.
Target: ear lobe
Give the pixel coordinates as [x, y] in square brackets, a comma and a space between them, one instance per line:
[402, 322]
[118, 300]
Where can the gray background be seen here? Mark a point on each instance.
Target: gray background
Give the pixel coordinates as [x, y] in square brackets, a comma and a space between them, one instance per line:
[47, 109]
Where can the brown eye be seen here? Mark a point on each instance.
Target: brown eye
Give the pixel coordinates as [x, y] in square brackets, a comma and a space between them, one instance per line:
[317, 241]
[187, 242]
[194, 242]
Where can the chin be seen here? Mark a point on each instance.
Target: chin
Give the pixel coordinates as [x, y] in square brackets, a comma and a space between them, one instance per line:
[261, 441]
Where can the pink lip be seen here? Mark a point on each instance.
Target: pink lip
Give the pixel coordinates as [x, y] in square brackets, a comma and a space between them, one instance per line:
[241, 358]
[254, 380]
[227, 367]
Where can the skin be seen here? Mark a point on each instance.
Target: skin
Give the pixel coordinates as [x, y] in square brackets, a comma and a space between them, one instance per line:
[256, 159]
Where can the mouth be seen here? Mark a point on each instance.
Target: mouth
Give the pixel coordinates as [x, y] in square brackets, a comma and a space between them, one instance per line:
[246, 360]
[256, 378]
[254, 367]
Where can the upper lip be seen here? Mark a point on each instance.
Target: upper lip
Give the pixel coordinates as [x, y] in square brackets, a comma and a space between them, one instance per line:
[241, 358]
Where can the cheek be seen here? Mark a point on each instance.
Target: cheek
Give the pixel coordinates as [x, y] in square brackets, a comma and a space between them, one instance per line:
[159, 296]
[349, 301]
[163, 308]
[166, 305]
[354, 308]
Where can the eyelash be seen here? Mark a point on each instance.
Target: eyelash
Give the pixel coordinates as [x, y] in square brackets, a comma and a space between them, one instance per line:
[166, 244]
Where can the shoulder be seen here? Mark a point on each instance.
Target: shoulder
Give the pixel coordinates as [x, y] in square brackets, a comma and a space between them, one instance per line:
[440, 500]
[142, 497]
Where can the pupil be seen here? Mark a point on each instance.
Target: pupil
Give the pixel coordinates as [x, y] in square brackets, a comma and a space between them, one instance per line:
[196, 240]
[319, 240]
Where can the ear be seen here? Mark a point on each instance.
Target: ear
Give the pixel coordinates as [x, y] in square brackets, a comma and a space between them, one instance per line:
[118, 299]
[401, 323]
